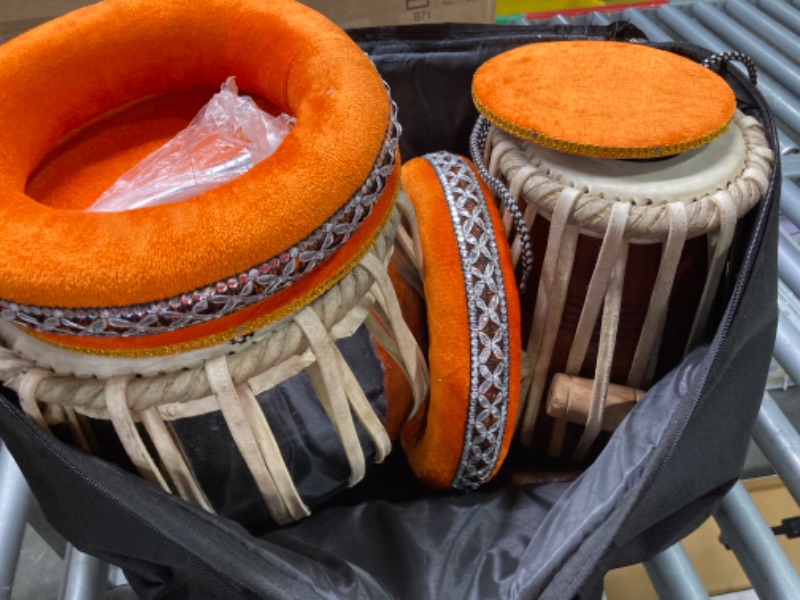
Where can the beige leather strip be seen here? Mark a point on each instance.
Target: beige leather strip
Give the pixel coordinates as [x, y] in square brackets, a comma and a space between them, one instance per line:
[27, 395]
[409, 238]
[598, 285]
[79, 429]
[54, 414]
[219, 379]
[726, 209]
[281, 372]
[10, 362]
[550, 298]
[412, 358]
[595, 296]
[327, 382]
[121, 418]
[363, 410]
[271, 454]
[605, 354]
[173, 459]
[516, 186]
[497, 146]
[646, 355]
[410, 271]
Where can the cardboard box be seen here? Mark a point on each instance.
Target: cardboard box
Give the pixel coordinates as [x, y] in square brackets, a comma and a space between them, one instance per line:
[18, 15]
[367, 13]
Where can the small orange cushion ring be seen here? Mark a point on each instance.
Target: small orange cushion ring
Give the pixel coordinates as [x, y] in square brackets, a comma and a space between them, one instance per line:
[461, 438]
[604, 99]
[90, 94]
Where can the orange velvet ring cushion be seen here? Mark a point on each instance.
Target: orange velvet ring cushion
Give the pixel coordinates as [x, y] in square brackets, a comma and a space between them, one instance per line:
[604, 99]
[90, 94]
[474, 352]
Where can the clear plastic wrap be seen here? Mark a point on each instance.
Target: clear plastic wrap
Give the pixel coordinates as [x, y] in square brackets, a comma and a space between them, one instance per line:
[227, 138]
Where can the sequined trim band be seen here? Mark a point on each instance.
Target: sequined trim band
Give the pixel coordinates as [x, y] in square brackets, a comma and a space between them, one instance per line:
[240, 333]
[588, 149]
[488, 320]
[225, 297]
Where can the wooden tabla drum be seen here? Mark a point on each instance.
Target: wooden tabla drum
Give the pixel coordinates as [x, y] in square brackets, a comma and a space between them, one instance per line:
[623, 172]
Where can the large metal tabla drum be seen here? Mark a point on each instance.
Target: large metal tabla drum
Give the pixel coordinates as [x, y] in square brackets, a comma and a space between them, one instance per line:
[623, 191]
[225, 346]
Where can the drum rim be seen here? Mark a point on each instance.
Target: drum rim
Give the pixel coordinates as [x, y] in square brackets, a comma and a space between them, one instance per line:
[647, 223]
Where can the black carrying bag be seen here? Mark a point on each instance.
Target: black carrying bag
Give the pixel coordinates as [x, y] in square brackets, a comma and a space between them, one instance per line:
[658, 478]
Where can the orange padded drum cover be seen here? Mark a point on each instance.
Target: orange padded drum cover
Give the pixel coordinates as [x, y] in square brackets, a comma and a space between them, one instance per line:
[606, 99]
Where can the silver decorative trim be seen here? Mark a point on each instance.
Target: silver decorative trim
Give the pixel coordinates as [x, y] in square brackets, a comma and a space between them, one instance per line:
[488, 320]
[224, 297]
[477, 148]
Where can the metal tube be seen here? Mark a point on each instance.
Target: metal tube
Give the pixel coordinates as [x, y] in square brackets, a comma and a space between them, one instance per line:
[789, 262]
[787, 145]
[754, 544]
[599, 19]
[783, 12]
[767, 59]
[690, 29]
[86, 577]
[790, 165]
[785, 106]
[779, 441]
[656, 34]
[15, 497]
[786, 41]
[646, 24]
[786, 350]
[790, 201]
[673, 575]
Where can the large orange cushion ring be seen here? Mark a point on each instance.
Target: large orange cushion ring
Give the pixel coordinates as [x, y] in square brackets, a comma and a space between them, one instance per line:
[89, 95]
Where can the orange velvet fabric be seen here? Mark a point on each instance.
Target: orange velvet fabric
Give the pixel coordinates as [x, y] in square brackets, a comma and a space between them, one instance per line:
[74, 174]
[253, 317]
[604, 94]
[434, 439]
[66, 73]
